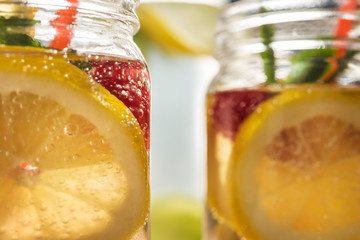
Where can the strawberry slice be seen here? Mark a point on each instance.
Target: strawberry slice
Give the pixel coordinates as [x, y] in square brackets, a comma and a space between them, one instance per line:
[230, 108]
[129, 81]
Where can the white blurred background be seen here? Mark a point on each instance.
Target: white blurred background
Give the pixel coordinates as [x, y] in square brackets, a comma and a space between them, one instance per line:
[178, 107]
[178, 154]
[179, 83]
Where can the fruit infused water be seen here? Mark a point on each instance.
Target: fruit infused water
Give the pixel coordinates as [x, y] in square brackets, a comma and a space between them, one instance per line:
[74, 122]
[74, 135]
[283, 124]
[284, 163]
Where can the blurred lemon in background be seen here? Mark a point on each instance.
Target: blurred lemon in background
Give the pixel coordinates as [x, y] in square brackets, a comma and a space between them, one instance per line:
[178, 27]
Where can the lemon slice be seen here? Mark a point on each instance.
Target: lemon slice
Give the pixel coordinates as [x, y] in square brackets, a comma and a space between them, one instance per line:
[296, 165]
[178, 26]
[73, 160]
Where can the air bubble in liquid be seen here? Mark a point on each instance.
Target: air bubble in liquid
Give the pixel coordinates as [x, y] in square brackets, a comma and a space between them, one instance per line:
[124, 93]
[109, 165]
[49, 148]
[43, 207]
[138, 93]
[141, 113]
[15, 100]
[71, 130]
[75, 157]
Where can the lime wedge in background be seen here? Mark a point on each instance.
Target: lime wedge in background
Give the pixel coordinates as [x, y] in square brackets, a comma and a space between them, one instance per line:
[179, 27]
[176, 218]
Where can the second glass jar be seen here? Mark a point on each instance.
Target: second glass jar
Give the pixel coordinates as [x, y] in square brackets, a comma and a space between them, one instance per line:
[283, 122]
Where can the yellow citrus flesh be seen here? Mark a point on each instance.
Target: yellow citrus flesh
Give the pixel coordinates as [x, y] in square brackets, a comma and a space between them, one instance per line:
[73, 160]
[296, 168]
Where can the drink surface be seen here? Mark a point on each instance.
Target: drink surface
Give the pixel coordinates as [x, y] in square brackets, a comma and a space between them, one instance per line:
[74, 143]
[283, 162]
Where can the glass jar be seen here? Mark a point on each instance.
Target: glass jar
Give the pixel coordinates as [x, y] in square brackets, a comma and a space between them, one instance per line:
[74, 121]
[283, 122]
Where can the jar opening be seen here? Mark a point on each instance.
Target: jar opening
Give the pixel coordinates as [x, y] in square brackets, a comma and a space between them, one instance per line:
[309, 21]
[84, 25]
[291, 41]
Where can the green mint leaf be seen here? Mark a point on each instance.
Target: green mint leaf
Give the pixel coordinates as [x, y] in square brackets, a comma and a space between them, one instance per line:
[83, 65]
[314, 53]
[313, 65]
[309, 65]
[16, 22]
[9, 35]
[18, 39]
[267, 34]
[269, 64]
[307, 71]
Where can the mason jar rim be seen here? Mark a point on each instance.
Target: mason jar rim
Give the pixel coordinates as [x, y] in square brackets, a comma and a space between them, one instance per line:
[250, 7]
[241, 9]
[246, 14]
[122, 10]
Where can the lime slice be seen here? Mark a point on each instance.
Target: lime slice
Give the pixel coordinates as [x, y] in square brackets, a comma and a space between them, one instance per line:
[73, 160]
[178, 26]
[176, 218]
[296, 168]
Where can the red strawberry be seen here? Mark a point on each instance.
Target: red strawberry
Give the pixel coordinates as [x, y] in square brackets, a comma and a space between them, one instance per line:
[129, 81]
[230, 108]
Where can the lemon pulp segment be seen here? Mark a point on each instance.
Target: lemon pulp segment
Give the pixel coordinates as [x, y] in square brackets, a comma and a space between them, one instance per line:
[73, 161]
[296, 167]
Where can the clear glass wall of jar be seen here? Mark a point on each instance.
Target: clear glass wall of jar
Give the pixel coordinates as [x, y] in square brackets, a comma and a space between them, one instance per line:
[74, 121]
[283, 122]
